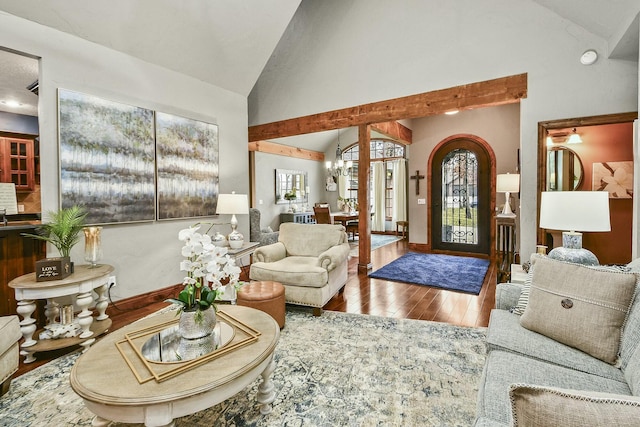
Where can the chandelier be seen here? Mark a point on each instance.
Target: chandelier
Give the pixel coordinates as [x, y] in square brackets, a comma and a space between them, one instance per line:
[339, 166]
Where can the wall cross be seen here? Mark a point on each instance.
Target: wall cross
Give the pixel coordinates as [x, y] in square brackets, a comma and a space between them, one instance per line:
[417, 177]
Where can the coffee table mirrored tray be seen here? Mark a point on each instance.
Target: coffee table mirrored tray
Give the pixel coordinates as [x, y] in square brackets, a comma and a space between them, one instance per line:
[150, 352]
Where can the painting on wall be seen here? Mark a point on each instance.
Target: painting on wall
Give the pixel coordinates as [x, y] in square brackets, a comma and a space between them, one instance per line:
[187, 163]
[107, 159]
[614, 177]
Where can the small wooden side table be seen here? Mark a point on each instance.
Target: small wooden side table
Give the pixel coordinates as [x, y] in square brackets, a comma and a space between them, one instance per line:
[404, 225]
[505, 246]
[80, 284]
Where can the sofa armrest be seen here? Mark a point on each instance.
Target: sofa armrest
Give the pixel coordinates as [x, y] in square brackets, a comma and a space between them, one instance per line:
[507, 295]
[270, 253]
[333, 256]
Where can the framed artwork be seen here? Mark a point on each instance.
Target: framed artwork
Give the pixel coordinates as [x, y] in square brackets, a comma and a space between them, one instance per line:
[187, 163]
[107, 161]
[614, 177]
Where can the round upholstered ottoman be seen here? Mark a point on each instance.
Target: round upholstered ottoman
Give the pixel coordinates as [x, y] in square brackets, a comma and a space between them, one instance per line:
[265, 296]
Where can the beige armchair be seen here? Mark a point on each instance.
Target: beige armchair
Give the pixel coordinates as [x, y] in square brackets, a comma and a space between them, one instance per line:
[310, 260]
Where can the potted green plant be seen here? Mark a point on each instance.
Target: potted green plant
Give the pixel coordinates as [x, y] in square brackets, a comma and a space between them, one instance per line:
[63, 229]
[291, 196]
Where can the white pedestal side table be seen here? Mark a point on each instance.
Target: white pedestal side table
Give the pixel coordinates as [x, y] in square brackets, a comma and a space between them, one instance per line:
[81, 285]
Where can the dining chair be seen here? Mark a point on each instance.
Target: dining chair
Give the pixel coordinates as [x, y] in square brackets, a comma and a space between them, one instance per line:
[322, 214]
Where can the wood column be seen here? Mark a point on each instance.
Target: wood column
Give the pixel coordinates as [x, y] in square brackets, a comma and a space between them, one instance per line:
[364, 202]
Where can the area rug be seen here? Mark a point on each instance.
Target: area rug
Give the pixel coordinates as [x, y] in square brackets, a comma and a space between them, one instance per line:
[335, 370]
[464, 274]
[377, 241]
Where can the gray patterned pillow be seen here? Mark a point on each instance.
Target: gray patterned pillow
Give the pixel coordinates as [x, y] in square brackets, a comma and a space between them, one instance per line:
[581, 307]
[538, 406]
[526, 287]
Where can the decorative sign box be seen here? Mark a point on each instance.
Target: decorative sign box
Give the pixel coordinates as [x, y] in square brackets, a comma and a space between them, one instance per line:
[52, 269]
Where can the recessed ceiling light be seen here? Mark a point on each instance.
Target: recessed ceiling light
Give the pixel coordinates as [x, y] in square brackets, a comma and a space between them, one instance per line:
[451, 112]
[11, 103]
[589, 57]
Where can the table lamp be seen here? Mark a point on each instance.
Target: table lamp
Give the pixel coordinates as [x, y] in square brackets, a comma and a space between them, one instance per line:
[574, 210]
[507, 183]
[232, 204]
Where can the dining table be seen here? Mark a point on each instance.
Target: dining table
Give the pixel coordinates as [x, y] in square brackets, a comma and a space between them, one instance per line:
[343, 217]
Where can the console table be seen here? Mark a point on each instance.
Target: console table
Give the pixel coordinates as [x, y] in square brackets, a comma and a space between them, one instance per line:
[80, 284]
[298, 217]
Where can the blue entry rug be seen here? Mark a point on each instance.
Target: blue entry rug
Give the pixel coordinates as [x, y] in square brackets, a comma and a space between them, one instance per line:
[464, 274]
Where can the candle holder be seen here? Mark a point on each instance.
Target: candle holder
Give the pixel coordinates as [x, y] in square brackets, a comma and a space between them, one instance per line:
[92, 245]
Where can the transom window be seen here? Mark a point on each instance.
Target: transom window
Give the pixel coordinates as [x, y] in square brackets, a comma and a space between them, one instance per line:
[382, 150]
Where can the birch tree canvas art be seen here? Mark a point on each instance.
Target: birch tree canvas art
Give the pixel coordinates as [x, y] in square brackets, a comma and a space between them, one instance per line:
[107, 161]
[187, 163]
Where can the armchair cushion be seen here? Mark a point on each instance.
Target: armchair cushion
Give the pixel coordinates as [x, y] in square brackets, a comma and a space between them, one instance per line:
[292, 270]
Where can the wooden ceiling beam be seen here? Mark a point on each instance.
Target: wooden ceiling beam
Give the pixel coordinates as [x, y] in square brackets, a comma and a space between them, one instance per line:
[285, 150]
[504, 90]
[395, 130]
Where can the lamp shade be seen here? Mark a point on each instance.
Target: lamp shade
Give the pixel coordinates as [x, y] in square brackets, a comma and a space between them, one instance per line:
[508, 183]
[232, 204]
[575, 210]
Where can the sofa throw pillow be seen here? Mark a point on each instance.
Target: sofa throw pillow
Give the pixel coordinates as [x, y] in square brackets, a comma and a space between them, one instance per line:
[581, 307]
[538, 406]
[526, 287]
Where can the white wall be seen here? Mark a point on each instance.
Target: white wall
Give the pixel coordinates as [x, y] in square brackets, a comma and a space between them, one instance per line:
[265, 167]
[499, 126]
[338, 54]
[146, 255]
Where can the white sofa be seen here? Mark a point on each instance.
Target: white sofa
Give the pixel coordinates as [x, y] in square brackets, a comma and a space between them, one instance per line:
[310, 260]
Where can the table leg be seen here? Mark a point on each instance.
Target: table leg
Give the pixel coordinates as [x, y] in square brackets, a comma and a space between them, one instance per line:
[51, 311]
[266, 390]
[27, 327]
[86, 344]
[85, 318]
[102, 302]
[99, 422]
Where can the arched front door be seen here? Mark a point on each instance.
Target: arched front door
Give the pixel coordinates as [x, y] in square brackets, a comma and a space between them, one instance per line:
[461, 197]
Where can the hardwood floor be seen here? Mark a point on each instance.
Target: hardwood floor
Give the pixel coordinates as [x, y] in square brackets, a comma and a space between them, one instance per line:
[362, 295]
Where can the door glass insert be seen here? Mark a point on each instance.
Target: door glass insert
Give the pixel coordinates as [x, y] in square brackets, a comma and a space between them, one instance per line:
[460, 197]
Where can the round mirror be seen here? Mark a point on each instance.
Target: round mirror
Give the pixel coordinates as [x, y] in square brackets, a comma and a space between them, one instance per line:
[564, 169]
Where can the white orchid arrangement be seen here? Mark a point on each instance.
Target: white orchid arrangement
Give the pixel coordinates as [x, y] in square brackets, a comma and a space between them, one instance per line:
[207, 265]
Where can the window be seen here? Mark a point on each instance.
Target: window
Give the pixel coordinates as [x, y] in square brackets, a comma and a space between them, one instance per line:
[382, 150]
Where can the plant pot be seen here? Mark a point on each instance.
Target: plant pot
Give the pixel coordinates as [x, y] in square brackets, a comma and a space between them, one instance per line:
[195, 324]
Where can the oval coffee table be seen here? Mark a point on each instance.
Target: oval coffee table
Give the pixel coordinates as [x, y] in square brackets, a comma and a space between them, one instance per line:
[109, 388]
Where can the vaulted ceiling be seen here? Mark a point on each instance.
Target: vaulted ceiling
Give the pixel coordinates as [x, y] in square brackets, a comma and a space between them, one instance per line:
[228, 42]
[223, 42]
